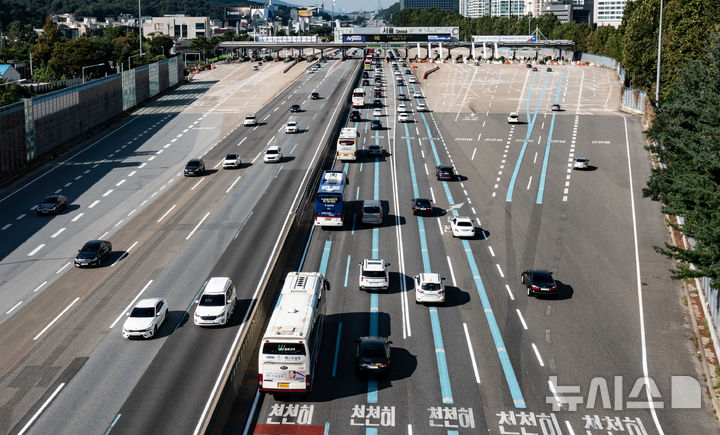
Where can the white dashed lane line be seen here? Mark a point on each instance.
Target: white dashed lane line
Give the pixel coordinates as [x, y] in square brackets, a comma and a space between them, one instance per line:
[120, 183]
[13, 308]
[94, 203]
[166, 213]
[502, 275]
[40, 286]
[56, 318]
[124, 254]
[6, 226]
[537, 354]
[35, 251]
[522, 320]
[197, 226]
[132, 173]
[20, 217]
[58, 232]
[198, 183]
[107, 193]
[62, 268]
[75, 219]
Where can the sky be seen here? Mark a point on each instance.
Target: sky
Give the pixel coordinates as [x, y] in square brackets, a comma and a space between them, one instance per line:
[348, 5]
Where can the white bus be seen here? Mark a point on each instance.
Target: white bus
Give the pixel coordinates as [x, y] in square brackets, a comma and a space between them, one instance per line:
[347, 144]
[289, 349]
[358, 98]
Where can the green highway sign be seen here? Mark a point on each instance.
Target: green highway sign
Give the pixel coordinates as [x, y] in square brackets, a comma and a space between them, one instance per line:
[374, 45]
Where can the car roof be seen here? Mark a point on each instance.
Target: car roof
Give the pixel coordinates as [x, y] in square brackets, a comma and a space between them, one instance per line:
[231, 156]
[444, 167]
[429, 277]
[148, 303]
[94, 242]
[195, 161]
[373, 338]
[540, 272]
[513, 114]
[250, 115]
[292, 122]
[53, 197]
[371, 202]
[216, 285]
[373, 264]
[274, 148]
[462, 219]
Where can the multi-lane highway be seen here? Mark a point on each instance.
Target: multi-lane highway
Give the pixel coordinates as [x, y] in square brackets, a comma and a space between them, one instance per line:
[489, 359]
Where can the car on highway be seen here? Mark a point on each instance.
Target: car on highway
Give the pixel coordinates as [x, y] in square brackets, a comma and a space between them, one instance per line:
[534, 69]
[403, 117]
[273, 155]
[429, 287]
[445, 172]
[250, 120]
[377, 112]
[581, 163]
[402, 108]
[291, 127]
[216, 303]
[513, 118]
[421, 207]
[375, 124]
[366, 82]
[412, 79]
[355, 115]
[401, 97]
[146, 317]
[528, 65]
[93, 253]
[374, 275]
[539, 282]
[52, 204]
[255, 68]
[294, 108]
[397, 72]
[462, 226]
[232, 161]
[194, 167]
[311, 71]
[365, 75]
[314, 96]
[417, 94]
[371, 212]
[378, 94]
[400, 83]
[374, 150]
[408, 72]
[422, 107]
[549, 69]
[372, 355]
[555, 107]
[377, 102]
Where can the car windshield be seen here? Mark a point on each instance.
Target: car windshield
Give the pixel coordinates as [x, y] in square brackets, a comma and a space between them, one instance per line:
[250, 117]
[231, 157]
[142, 312]
[445, 168]
[373, 350]
[431, 286]
[542, 279]
[422, 202]
[212, 300]
[464, 224]
[50, 200]
[271, 152]
[91, 247]
[283, 349]
[374, 274]
[371, 209]
[193, 164]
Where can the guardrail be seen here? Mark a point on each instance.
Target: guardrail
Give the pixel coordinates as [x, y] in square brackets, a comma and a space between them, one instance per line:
[222, 404]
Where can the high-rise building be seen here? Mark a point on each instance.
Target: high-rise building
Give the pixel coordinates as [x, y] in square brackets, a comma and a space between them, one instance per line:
[608, 12]
[582, 11]
[474, 8]
[562, 9]
[496, 8]
[507, 8]
[450, 5]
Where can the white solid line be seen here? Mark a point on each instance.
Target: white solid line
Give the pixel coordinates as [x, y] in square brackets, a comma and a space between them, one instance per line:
[96, 202]
[252, 412]
[77, 217]
[233, 184]
[452, 272]
[521, 318]
[56, 318]
[42, 408]
[58, 232]
[40, 286]
[124, 254]
[197, 226]
[507, 287]
[166, 213]
[570, 429]
[472, 354]
[63, 268]
[491, 251]
[219, 163]
[14, 306]
[131, 304]
[432, 194]
[35, 251]
[196, 184]
[107, 193]
[537, 354]
[502, 275]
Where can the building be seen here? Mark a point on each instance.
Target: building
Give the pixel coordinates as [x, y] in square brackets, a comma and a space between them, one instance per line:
[450, 5]
[608, 12]
[507, 8]
[474, 8]
[8, 73]
[562, 9]
[583, 11]
[178, 26]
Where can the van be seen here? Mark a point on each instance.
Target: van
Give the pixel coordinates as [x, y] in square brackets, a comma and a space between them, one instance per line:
[217, 302]
[371, 212]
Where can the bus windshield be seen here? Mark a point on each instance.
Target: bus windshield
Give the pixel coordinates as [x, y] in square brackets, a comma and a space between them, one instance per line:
[284, 349]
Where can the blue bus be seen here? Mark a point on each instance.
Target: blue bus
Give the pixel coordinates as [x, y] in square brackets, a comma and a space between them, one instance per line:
[329, 199]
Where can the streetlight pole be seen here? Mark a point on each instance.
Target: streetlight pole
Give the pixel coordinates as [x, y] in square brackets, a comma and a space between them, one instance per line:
[657, 77]
[130, 57]
[89, 66]
[140, 26]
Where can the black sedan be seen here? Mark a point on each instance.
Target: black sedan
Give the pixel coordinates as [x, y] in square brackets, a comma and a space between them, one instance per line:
[355, 115]
[93, 253]
[375, 124]
[422, 207]
[372, 355]
[194, 167]
[314, 96]
[539, 282]
[52, 204]
[294, 108]
[445, 172]
[377, 102]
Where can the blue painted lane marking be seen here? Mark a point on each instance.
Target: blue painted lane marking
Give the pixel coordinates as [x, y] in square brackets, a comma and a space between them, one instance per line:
[352, 231]
[293, 148]
[546, 157]
[337, 348]
[531, 125]
[113, 424]
[510, 378]
[325, 257]
[243, 225]
[432, 141]
[346, 166]
[375, 243]
[423, 245]
[371, 431]
[447, 397]
[347, 270]
[278, 171]
[376, 187]
[372, 395]
[412, 166]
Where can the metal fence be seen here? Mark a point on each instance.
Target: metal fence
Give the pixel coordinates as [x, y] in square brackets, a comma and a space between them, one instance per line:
[41, 126]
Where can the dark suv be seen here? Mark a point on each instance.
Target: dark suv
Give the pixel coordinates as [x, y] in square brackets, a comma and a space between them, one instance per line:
[355, 115]
[194, 167]
[539, 282]
[445, 172]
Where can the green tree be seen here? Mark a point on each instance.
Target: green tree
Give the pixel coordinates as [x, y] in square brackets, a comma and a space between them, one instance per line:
[10, 93]
[47, 41]
[160, 45]
[685, 133]
[640, 21]
[69, 57]
[20, 38]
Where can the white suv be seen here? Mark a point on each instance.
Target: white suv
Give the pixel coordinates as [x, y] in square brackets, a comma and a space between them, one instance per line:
[273, 155]
[291, 127]
[429, 287]
[250, 120]
[217, 302]
[513, 118]
[232, 161]
[374, 275]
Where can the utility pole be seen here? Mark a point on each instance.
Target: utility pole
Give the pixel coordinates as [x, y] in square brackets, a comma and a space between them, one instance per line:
[140, 26]
[657, 76]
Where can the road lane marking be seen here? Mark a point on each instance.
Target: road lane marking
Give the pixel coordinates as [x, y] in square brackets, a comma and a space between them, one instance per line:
[57, 233]
[94, 203]
[537, 355]
[522, 320]
[120, 183]
[112, 425]
[13, 308]
[452, 272]
[472, 354]
[42, 408]
[347, 270]
[166, 213]
[233, 184]
[40, 286]
[107, 193]
[124, 254]
[35, 251]
[196, 184]
[130, 305]
[20, 217]
[337, 346]
[197, 226]
[56, 319]
[502, 275]
[79, 215]
[118, 223]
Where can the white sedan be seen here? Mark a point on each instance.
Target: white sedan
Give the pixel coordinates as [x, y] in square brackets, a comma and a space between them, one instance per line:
[273, 154]
[422, 107]
[377, 112]
[250, 120]
[403, 117]
[581, 163]
[513, 118]
[462, 226]
[402, 108]
[232, 161]
[145, 318]
[291, 127]
[417, 94]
